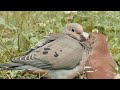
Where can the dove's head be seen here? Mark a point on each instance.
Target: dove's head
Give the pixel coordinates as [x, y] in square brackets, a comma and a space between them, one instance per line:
[75, 30]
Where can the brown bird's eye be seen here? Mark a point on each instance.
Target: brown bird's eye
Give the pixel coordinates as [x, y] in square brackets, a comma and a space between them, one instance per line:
[73, 30]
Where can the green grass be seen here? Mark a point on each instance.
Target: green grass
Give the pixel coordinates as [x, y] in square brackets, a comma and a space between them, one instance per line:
[20, 30]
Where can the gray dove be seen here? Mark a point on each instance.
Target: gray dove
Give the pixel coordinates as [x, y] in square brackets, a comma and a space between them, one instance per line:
[58, 56]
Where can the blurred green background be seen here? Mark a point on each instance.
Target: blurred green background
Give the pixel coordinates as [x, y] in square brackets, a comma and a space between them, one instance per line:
[20, 30]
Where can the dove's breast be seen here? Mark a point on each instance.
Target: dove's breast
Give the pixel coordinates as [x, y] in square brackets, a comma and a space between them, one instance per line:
[65, 52]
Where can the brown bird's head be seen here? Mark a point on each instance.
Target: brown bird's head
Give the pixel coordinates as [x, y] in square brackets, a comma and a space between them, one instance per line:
[97, 41]
[75, 30]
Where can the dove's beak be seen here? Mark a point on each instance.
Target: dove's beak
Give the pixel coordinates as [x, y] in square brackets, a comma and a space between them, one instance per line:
[85, 35]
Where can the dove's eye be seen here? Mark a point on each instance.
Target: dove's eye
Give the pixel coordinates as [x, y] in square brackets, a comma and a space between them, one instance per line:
[73, 30]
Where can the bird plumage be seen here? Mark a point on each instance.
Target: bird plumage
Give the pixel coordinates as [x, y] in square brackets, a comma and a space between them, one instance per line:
[57, 53]
[100, 64]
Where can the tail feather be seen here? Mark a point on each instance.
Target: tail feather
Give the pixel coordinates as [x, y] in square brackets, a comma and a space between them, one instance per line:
[16, 66]
[9, 66]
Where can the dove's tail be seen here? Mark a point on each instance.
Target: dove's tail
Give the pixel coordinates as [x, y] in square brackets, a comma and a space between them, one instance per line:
[15, 66]
[9, 66]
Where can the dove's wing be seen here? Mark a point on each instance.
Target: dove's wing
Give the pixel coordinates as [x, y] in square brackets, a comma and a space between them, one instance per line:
[62, 53]
[47, 39]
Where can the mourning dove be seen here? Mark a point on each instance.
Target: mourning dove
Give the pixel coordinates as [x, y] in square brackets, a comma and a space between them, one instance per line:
[58, 56]
[99, 63]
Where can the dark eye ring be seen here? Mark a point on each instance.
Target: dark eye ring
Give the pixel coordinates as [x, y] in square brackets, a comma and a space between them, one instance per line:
[73, 30]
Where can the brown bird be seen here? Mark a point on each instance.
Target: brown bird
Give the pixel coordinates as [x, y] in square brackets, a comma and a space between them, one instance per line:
[58, 56]
[100, 64]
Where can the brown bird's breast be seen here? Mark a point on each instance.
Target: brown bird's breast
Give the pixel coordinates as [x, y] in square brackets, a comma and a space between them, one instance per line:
[102, 66]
